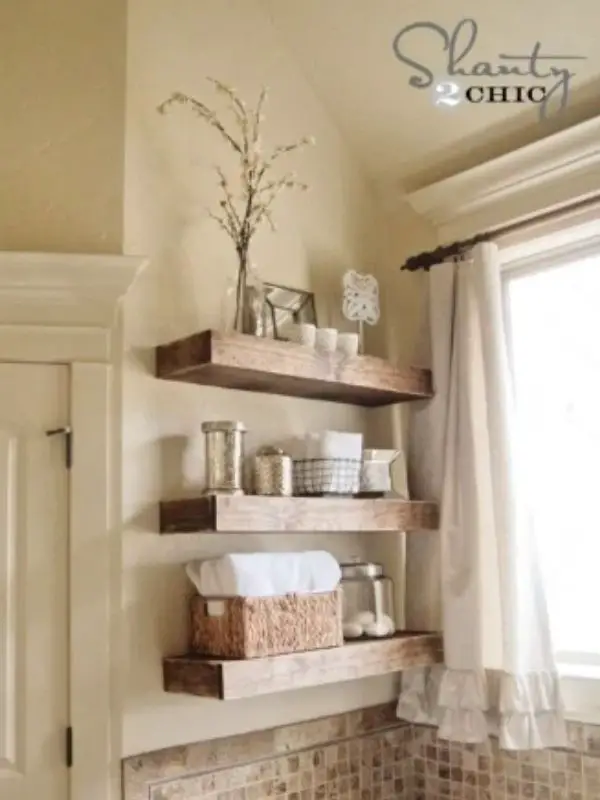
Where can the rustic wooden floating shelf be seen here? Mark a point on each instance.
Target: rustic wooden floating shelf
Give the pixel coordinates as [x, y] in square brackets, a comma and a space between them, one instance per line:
[251, 513]
[254, 364]
[233, 679]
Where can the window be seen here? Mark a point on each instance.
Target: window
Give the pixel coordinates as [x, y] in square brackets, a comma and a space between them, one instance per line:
[552, 306]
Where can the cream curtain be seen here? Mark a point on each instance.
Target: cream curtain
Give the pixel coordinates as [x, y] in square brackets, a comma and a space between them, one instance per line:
[499, 675]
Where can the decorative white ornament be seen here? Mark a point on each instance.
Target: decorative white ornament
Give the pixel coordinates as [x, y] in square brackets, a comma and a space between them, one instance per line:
[361, 298]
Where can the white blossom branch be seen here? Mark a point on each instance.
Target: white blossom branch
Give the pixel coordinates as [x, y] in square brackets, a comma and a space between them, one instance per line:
[229, 204]
[258, 118]
[258, 190]
[224, 224]
[202, 111]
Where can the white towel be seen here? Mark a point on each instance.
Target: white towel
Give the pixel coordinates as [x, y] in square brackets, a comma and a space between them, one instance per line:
[335, 444]
[265, 574]
[328, 444]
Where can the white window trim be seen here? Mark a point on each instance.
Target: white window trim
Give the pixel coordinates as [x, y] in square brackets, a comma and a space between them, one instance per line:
[581, 694]
[580, 682]
[64, 309]
[544, 175]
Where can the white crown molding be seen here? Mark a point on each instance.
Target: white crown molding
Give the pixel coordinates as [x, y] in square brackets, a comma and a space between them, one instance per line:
[64, 289]
[542, 175]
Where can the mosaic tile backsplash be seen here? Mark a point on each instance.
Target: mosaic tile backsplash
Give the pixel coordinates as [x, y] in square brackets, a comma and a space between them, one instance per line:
[484, 772]
[363, 755]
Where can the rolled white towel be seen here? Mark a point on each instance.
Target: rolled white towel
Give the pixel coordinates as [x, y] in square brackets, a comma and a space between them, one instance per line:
[265, 574]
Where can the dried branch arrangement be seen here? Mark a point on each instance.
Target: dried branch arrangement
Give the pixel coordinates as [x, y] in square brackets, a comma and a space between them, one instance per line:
[241, 213]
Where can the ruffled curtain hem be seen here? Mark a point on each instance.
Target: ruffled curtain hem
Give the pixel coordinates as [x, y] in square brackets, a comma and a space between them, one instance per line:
[524, 711]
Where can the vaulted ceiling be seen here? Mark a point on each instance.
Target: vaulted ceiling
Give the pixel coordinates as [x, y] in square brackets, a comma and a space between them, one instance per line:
[345, 50]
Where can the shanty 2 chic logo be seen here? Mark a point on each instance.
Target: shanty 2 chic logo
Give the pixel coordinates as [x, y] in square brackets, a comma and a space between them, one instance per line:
[458, 44]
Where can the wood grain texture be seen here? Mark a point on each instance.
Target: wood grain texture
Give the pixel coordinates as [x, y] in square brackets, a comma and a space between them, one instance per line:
[252, 513]
[255, 364]
[232, 680]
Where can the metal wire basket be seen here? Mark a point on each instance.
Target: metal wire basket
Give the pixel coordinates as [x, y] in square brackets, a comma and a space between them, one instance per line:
[326, 476]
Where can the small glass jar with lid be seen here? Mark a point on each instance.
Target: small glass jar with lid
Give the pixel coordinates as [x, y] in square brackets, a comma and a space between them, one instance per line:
[272, 472]
[368, 600]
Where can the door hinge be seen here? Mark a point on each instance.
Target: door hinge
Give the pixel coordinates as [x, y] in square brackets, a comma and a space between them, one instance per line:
[68, 434]
[69, 746]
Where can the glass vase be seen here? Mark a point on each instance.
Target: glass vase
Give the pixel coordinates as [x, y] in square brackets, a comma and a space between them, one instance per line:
[250, 303]
[229, 307]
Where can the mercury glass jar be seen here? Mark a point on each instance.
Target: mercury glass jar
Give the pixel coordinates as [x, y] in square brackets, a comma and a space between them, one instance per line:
[224, 453]
[273, 472]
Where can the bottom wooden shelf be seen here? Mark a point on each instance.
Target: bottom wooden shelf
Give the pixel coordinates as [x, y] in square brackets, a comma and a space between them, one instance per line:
[233, 679]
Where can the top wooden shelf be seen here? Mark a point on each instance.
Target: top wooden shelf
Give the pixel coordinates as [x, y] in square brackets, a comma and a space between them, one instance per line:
[251, 363]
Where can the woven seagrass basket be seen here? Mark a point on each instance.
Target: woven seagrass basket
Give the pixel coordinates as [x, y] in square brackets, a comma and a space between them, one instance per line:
[253, 627]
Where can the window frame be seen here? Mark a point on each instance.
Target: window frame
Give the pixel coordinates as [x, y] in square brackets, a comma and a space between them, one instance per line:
[580, 672]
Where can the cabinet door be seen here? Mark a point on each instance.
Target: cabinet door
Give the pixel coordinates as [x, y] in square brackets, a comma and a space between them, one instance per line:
[33, 582]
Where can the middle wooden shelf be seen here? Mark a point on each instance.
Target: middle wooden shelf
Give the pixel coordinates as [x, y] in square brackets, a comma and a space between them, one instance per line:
[231, 679]
[252, 513]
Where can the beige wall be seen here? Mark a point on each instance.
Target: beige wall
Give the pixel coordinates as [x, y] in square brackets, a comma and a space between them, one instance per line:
[63, 188]
[168, 185]
[62, 85]
[402, 337]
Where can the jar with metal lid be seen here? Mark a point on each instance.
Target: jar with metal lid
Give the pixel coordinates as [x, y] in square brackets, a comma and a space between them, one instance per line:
[368, 600]
[224, 452]
[273, 472]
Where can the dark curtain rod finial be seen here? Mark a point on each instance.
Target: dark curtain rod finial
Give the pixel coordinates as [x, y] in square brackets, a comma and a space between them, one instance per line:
[430, 258]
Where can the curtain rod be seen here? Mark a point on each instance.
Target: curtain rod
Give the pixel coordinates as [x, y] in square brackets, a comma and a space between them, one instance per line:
[430, 258]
